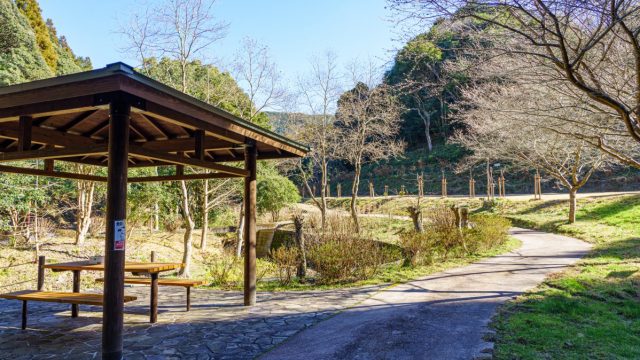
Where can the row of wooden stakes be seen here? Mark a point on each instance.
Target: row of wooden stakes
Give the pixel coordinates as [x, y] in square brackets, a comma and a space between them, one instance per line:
[491, 188]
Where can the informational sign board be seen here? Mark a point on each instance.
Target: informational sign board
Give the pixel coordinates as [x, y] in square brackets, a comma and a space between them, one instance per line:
[119, 234]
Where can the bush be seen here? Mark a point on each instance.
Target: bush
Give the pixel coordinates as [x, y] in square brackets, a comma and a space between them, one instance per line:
[274, 193]
[486, 232]
[339, 254]
[286, 261]
[223, 270]
[418, 248]
[442, 237]
[172, 223]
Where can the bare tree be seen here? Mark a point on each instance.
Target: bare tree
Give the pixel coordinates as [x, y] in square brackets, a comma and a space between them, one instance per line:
[368, 119]
[258, 75]
[591, 47]
[499, 127]
[182, 30]
[86, 190]
[318, 95]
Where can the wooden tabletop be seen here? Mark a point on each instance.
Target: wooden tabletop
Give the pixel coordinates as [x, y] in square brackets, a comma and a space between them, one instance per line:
[137, 267]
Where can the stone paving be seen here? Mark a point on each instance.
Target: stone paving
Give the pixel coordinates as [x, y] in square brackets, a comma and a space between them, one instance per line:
[217, 327]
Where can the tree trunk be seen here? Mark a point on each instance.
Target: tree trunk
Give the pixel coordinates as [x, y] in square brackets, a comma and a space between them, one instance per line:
[416, 216]
[354, 197]
[573, 204]
[298, 223]
[240, 232]
[188, 231]
[86, 190]
[205, 215]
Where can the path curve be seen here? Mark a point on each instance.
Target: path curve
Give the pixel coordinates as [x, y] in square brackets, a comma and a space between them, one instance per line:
[442, 316]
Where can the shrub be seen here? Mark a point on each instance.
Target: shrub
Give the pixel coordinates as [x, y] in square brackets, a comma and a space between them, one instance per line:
[442, 237]
[486, 232]
[172, 223]
[339, 254]
[442, 225]
[223, 270]
[274, 193]
[418, 248]
[286, 261]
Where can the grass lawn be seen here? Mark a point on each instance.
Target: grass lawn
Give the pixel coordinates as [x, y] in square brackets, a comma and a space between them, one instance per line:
[591, 310]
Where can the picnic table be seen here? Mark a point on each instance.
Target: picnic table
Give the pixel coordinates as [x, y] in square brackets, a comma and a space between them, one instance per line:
[153, 269]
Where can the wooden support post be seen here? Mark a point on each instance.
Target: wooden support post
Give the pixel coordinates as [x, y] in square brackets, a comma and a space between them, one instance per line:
[328, 189]
[250, 157]
[48, 165]
[24, 133]
[153, 306]
[112, 313]
[339, 190]
[386, 190]
[41, 262]
[199, 145]
[372, 192]
[75, 308]
[153, 256]
[24, 315]
[188, 298]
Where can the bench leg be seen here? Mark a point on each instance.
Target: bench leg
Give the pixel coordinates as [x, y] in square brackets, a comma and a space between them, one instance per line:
[24, 314]
[76, 289]
[153, 311]
[188, 298]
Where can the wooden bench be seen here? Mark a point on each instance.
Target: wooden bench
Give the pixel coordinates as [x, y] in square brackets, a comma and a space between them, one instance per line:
[185, 283]
[57, 297]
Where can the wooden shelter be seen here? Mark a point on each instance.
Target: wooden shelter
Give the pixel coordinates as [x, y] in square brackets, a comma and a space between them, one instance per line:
[118, 118]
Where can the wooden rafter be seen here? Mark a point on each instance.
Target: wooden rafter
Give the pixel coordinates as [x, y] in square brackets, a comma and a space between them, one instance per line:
[53, 153]
[77, 120]
[181, 160]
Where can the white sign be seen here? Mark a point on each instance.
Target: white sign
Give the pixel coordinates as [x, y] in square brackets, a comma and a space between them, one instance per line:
[119, 235]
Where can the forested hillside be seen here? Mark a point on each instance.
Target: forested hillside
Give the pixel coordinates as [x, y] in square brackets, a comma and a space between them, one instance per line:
[428, 76]
[30, 47]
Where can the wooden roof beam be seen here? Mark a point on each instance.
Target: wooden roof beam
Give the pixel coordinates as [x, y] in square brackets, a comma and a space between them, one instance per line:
[181, 160]
[51, 173]
[53, 153]
[46, 136]
[181, 177]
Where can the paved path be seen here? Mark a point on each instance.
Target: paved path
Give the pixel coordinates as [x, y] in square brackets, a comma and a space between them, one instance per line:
[443, 316]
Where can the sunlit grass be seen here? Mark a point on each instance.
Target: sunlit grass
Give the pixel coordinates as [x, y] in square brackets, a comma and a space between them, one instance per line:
[591, 310]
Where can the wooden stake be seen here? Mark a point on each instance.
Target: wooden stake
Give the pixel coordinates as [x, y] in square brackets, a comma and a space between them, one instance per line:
[339, 190]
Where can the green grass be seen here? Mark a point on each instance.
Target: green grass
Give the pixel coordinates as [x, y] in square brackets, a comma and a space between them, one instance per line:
[591, 310]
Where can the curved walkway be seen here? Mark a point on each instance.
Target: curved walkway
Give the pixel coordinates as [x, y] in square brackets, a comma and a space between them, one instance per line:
[443, 316]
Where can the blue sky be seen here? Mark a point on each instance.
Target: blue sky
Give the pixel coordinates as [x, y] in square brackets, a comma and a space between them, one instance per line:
[293, 29]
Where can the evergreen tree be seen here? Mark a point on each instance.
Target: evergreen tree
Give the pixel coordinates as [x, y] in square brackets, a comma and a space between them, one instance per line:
[31, 10]
[20, 57]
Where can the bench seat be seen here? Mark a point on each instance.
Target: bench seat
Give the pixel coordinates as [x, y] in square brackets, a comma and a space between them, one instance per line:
[56, 297]
[161, 281]
[60, 297]
[185, 283]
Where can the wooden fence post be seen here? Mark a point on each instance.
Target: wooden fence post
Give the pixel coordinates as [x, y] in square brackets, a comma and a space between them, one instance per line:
[339, 190]
[372, 191]
[386, 190]
[444, 186]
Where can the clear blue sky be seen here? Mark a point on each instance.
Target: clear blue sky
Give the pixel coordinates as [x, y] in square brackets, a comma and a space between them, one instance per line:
[293, 29]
